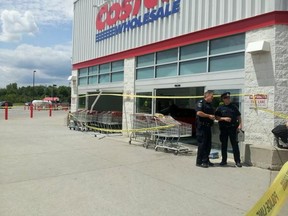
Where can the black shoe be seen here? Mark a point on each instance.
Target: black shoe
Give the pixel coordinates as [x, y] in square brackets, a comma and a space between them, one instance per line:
[238, 164]
[223, 163]
[210, 164]
[203, 165]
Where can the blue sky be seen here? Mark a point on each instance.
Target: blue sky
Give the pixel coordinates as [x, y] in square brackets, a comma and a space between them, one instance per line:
[35, 35]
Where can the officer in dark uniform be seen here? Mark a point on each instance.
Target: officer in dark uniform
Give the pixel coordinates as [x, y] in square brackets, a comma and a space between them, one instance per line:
[229, 119]
[205, 118]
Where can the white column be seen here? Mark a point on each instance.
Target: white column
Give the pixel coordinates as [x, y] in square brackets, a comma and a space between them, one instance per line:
[74, 91]
[128, 89]
[259, 79]
[266, 73]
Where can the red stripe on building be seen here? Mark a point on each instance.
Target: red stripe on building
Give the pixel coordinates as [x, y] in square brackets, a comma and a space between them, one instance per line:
[241, 26]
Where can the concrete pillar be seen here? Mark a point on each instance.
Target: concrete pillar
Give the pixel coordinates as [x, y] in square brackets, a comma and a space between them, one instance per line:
[128, 89]
[266, 72]
[74, 91]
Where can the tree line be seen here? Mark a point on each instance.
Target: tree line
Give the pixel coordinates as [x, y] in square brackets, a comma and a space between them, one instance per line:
[16, 94]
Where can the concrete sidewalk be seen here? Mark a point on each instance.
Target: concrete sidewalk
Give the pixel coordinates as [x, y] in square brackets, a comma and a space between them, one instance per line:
[47, 169]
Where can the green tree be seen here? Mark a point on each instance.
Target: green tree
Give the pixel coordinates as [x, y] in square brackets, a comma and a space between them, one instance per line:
[24, 94]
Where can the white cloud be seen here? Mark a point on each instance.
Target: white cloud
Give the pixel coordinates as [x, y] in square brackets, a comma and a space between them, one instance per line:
[52, 64]
[14, 25]
[44, 11]
[19, 18]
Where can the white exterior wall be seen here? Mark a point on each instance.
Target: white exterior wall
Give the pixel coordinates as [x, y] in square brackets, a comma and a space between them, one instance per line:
[258, 67]
[266, 73]
[194, 15]
[281, 72]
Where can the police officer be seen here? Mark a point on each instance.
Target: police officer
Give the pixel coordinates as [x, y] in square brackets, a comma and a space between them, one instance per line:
[229, 119]
[205, 118]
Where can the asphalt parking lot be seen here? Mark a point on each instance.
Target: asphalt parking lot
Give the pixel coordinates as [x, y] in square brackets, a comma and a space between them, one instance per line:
[47, 169]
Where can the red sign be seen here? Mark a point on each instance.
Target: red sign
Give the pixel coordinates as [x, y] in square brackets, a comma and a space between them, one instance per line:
[258, 100]
[121, 11]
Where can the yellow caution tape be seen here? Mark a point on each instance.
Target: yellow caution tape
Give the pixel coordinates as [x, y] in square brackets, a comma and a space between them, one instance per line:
[159, 97]
[274, 198]
[280, 115]
[4, 107]
[130, 130]
[127, 130]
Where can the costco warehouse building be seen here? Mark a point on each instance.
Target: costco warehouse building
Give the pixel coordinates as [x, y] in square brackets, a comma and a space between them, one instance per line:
[178, 48]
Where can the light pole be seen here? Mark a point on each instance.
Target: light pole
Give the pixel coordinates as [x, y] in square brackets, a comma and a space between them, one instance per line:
[54, 85]
[34, 83]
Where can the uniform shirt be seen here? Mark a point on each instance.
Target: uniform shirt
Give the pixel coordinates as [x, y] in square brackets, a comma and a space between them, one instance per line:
[231, 111]
[207, 108]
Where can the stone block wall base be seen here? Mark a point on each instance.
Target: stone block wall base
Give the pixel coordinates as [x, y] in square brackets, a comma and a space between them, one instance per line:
[267, 157]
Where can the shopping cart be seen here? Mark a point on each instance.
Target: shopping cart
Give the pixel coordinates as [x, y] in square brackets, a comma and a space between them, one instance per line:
[75, 121]
[142, 129]
[107, 122]
[79, 120]
[168, 138]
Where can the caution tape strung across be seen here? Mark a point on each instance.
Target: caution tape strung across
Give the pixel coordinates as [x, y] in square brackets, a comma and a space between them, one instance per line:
[159, 97]
[127, 130]
[130, 130]
[274, 198]
[280, 115]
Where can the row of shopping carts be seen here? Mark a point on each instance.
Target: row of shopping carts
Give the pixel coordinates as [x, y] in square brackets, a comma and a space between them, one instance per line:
[159, 131]
[103, 122]
[162, 132]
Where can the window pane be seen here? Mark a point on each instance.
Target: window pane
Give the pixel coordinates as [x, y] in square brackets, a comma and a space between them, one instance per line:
[193, 51]
[167, 56]
[117, 77]
[104, 68]
[144, 105]
[145, 73]
[118, 66]
[227, 62]
[192, 67]
[227, 44]
[104, 78]
[82, 81]
[145, 60]
[93, 70]
[82, 102]
[92, 80]
[83, 72]
[166, 70]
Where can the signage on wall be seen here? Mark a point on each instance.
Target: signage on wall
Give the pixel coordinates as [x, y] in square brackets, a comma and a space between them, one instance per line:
[118, 14]
[258, 100]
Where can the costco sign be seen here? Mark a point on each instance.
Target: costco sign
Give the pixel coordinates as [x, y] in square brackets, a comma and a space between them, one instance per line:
[125, 16]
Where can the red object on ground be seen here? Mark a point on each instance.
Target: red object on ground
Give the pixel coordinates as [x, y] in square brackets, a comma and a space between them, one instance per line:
[31, 110]
[50, 110]
[6, 111]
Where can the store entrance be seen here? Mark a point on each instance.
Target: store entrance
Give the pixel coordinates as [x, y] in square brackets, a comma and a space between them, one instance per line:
[181, 109]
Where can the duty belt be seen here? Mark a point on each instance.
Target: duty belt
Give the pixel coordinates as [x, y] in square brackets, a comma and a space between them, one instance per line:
[205, 123]
[228, 126]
